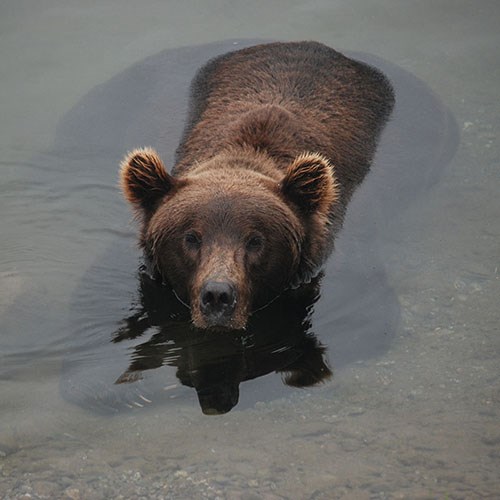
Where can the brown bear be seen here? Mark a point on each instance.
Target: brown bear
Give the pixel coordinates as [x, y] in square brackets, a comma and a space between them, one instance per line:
[278, 137]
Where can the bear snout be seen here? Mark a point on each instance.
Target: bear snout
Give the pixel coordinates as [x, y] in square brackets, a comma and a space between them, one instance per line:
[217, 302]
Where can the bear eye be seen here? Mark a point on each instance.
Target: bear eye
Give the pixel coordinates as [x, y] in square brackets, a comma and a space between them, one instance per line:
[192, 240]
[255, 243]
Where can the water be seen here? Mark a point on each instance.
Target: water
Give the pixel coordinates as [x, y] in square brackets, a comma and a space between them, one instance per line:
[407, 312]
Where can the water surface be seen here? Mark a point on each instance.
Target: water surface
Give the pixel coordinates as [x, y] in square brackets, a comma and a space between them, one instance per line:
[405, 316]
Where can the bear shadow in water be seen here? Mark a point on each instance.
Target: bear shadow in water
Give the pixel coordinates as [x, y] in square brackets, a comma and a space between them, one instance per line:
[355, 317]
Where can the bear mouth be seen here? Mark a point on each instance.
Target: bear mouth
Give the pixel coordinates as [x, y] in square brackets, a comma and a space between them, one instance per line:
[220, 320]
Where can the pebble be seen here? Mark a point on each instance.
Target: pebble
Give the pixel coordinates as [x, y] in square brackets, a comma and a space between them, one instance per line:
[72, 493]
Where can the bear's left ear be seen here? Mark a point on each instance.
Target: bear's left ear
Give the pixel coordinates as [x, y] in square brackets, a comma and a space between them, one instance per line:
[144, 179]
[309, 182]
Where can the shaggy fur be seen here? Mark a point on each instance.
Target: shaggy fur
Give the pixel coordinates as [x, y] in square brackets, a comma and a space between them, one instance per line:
[278, 137]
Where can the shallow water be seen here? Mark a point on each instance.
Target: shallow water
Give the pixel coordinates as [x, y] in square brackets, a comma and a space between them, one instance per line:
[408, 305]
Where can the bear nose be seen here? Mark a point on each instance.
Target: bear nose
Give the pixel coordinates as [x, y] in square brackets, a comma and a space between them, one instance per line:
[218, 300]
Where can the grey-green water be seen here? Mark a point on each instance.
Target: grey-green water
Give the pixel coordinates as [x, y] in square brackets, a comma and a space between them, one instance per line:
[416, 418]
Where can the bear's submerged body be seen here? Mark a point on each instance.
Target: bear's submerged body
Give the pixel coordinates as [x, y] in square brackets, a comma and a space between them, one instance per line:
[285, 99]
[277, 139]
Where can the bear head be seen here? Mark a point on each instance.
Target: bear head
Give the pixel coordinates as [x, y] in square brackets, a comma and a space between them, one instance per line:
[231, 233]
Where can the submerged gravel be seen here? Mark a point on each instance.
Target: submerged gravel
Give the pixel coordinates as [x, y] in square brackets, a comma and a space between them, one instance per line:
[420, 422]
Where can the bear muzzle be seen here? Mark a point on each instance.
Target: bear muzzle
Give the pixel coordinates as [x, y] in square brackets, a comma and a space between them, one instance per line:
[217, 303]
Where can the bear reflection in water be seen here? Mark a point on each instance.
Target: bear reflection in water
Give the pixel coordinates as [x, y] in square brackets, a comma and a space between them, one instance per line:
[277, 339]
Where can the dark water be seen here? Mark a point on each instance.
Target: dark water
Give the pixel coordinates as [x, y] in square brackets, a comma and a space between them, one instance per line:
[361, 384]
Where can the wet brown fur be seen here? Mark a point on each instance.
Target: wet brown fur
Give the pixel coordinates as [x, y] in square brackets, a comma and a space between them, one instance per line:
[278, 137]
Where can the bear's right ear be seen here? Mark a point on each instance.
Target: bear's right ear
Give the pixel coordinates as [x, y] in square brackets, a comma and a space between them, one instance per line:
[144, 179]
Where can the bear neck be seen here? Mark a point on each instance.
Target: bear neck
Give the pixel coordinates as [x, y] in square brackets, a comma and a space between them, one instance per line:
[264, 138]
[243, 158]
[271, 129]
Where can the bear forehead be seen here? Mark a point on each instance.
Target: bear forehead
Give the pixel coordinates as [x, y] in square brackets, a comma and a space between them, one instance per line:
[233, 191]
[220, 203]
[221, 207]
